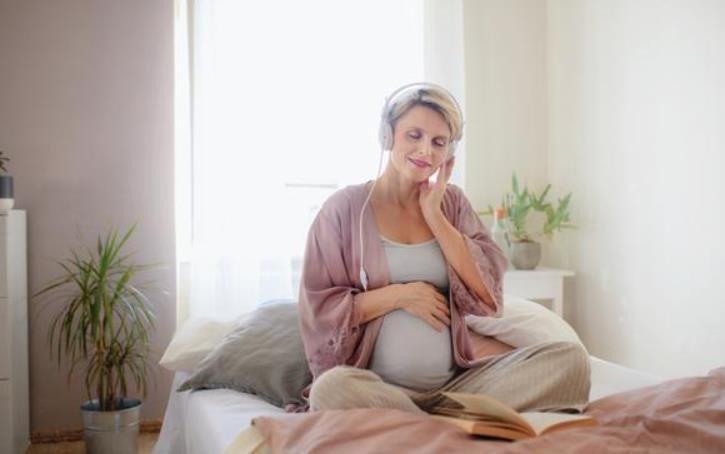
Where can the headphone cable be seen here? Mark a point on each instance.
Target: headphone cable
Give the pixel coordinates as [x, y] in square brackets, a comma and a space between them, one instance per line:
[363, 274]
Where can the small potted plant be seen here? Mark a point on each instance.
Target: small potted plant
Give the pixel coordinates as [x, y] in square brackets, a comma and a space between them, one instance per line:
[6, 186]
[103, 323]
[519, 205]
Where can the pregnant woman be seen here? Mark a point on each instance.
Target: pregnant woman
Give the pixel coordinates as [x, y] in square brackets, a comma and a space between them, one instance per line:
[392, 266]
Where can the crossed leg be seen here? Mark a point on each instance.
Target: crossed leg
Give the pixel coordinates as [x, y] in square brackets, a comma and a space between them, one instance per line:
[544, 377]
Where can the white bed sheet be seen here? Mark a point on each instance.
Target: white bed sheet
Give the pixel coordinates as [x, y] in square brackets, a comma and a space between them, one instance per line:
[610, 378]
[206, 422]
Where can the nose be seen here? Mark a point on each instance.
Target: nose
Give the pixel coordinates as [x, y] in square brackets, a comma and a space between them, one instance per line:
[425, 147]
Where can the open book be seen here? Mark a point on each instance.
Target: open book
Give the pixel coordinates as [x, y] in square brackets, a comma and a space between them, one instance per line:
[484, 415]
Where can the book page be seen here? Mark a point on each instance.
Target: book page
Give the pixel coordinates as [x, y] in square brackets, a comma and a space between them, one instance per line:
[474, 418]
[497, 430]
[541, 421]
[490, 408]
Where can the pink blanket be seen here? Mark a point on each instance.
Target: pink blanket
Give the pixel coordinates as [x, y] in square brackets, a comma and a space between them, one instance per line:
[684, 415]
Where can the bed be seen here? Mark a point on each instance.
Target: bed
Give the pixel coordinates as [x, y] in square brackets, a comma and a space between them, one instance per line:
[208, 421]
[636, 412]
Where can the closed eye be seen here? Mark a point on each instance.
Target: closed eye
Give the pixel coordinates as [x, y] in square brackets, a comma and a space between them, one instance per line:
[437, 142]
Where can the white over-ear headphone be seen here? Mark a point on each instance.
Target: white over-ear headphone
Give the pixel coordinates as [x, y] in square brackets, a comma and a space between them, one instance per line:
[386, 134]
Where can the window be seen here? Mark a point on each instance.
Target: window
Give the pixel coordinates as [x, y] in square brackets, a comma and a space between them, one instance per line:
[278, 105]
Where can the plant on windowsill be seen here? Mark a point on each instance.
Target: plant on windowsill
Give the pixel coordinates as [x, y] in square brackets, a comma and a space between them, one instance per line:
[519, 204]
[103, 323]
[6, 186]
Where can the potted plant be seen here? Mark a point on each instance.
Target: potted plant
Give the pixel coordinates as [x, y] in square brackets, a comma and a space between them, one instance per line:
[103, 324]
[519, 205]
[6, 186]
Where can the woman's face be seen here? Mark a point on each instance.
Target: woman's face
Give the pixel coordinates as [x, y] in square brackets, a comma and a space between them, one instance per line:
[420, 143]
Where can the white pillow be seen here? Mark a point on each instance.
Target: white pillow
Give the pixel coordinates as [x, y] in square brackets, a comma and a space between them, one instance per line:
[193, 341]
[524, 323]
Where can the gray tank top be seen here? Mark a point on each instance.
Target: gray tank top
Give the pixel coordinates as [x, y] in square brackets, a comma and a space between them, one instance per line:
[409, 352]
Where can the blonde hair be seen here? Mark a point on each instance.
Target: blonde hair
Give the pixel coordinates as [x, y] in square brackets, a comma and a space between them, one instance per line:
[427, 95]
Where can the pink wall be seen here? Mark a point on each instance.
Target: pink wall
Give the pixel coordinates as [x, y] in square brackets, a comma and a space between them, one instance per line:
[86, 115]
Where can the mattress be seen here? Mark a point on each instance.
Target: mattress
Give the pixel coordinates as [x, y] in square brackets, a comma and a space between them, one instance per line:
[609, 378]
[205, 422]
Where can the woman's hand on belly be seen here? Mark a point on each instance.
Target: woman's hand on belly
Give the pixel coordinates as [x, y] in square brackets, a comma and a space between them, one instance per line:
[424, 301]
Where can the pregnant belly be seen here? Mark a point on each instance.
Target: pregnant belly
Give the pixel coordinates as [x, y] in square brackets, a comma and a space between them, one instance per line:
[410, 353]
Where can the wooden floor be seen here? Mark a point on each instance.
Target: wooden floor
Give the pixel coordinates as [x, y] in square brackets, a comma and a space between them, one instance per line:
[146, 442]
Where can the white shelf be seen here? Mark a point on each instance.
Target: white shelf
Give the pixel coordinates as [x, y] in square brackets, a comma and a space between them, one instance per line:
[14, 399]
[538, 284]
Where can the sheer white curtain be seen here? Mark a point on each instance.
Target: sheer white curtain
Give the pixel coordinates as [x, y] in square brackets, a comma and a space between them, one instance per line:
[278, 104]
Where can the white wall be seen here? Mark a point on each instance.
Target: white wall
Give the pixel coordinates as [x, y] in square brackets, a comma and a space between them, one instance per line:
[86, 115]
[623, 103]
[443, 61]
[637, 132]
[506, 110]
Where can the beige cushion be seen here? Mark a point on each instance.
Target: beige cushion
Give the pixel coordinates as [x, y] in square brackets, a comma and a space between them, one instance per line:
[524, 323]
[193, 341]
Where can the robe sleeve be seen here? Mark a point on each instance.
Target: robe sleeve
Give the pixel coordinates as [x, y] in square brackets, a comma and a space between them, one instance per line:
[490, 261]
[329, 321]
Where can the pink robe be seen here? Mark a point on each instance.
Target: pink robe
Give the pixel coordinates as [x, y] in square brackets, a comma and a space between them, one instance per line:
[330, 323]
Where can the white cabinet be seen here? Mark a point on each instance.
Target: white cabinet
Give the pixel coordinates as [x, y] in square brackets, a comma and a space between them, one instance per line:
[6, 437]
[4, 341]
[14, 401]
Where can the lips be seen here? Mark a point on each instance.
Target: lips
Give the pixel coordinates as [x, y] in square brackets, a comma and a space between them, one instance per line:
[418, 163]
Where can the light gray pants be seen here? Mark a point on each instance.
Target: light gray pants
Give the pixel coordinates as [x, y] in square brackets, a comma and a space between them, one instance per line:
[552, 376]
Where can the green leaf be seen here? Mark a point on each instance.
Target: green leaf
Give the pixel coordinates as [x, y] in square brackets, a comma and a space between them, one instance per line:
[520, 202]
[104, 319]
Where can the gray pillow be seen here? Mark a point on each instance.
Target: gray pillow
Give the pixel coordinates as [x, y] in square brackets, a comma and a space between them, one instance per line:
[263, 356]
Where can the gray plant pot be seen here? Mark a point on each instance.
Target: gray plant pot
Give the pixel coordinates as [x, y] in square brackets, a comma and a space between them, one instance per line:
[6, 187]
[525, 255]
[111, 432]
[6, 193]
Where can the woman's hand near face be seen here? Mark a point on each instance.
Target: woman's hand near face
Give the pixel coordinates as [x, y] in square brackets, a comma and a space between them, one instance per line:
[431, 195]
[425, 302]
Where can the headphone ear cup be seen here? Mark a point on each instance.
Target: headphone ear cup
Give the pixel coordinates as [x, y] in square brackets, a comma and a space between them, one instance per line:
[386, 135]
